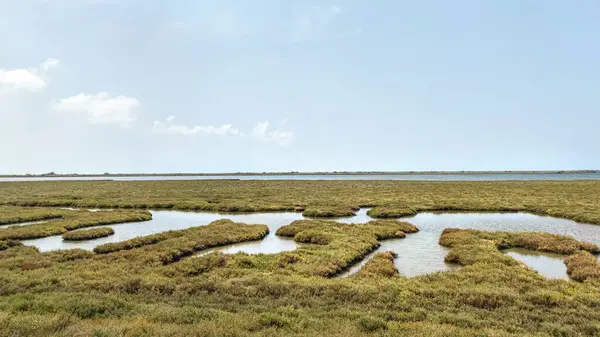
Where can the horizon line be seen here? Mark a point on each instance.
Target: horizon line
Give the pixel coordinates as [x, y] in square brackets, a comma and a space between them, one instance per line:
[266, 173]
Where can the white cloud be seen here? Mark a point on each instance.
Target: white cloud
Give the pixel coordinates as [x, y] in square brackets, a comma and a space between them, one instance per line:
[168, 128]
[101, 108]
[262, 133]
[25, 79]
[20, 79]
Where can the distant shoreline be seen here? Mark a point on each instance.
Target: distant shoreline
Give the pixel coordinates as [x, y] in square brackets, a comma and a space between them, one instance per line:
[335, 173]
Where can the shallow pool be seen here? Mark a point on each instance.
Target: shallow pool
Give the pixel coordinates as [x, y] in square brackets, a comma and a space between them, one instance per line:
[163, 221]
[546, 264]
[420, 253]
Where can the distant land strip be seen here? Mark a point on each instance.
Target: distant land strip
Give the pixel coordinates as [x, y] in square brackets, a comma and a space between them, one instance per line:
[332, 173]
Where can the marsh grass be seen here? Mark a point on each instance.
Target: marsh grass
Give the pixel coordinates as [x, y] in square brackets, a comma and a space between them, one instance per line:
[217, 233]
[124, 293]
[328, 212]
[335, 247]
[72, 221]
[5, 244]
[576, 200]
[157, 289]
[15, 215]
[88, 234]
[583, 266]
[543, 242]
[472, 246]
[381, 265]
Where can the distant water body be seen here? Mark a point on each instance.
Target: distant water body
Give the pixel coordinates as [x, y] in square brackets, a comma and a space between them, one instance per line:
[426, 177]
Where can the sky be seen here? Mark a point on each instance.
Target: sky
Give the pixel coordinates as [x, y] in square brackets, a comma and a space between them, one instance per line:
[124, 86]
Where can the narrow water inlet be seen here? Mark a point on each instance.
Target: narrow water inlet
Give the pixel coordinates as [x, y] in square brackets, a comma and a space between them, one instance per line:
[19, 224]
[549, 265]
[89, 210]
[417, 254]
[272, 244]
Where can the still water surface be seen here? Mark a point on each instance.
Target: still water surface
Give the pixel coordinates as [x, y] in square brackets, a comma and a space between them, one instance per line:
[418, 253]
[23, 224]
[548, 264]
[163, 221]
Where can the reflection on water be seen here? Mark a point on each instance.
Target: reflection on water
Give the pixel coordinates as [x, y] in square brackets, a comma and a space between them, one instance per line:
[163, 221]
[546, 264]
[272, 244]
[89, 210]
[418, 253]
[360, 217]
[430, 257]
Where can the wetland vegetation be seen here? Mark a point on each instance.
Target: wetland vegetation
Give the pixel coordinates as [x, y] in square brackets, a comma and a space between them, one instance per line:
[575, 200]
[152, 285]
[71, 220]
[88, 234]
[17, 215]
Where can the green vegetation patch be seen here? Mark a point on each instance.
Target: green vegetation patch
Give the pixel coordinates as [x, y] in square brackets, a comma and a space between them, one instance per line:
[391, 213]
[543, 242]
[473, 246]
[5, 244]
[171, 246]
[14, 215]
[576, 200]
[26, 259]
[333, 247]
[72, 221]
[381, 265]
[583, 266]
[89, 234]
[328, 212]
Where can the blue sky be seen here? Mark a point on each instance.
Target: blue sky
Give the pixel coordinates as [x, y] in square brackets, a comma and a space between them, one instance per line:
[224, 86]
